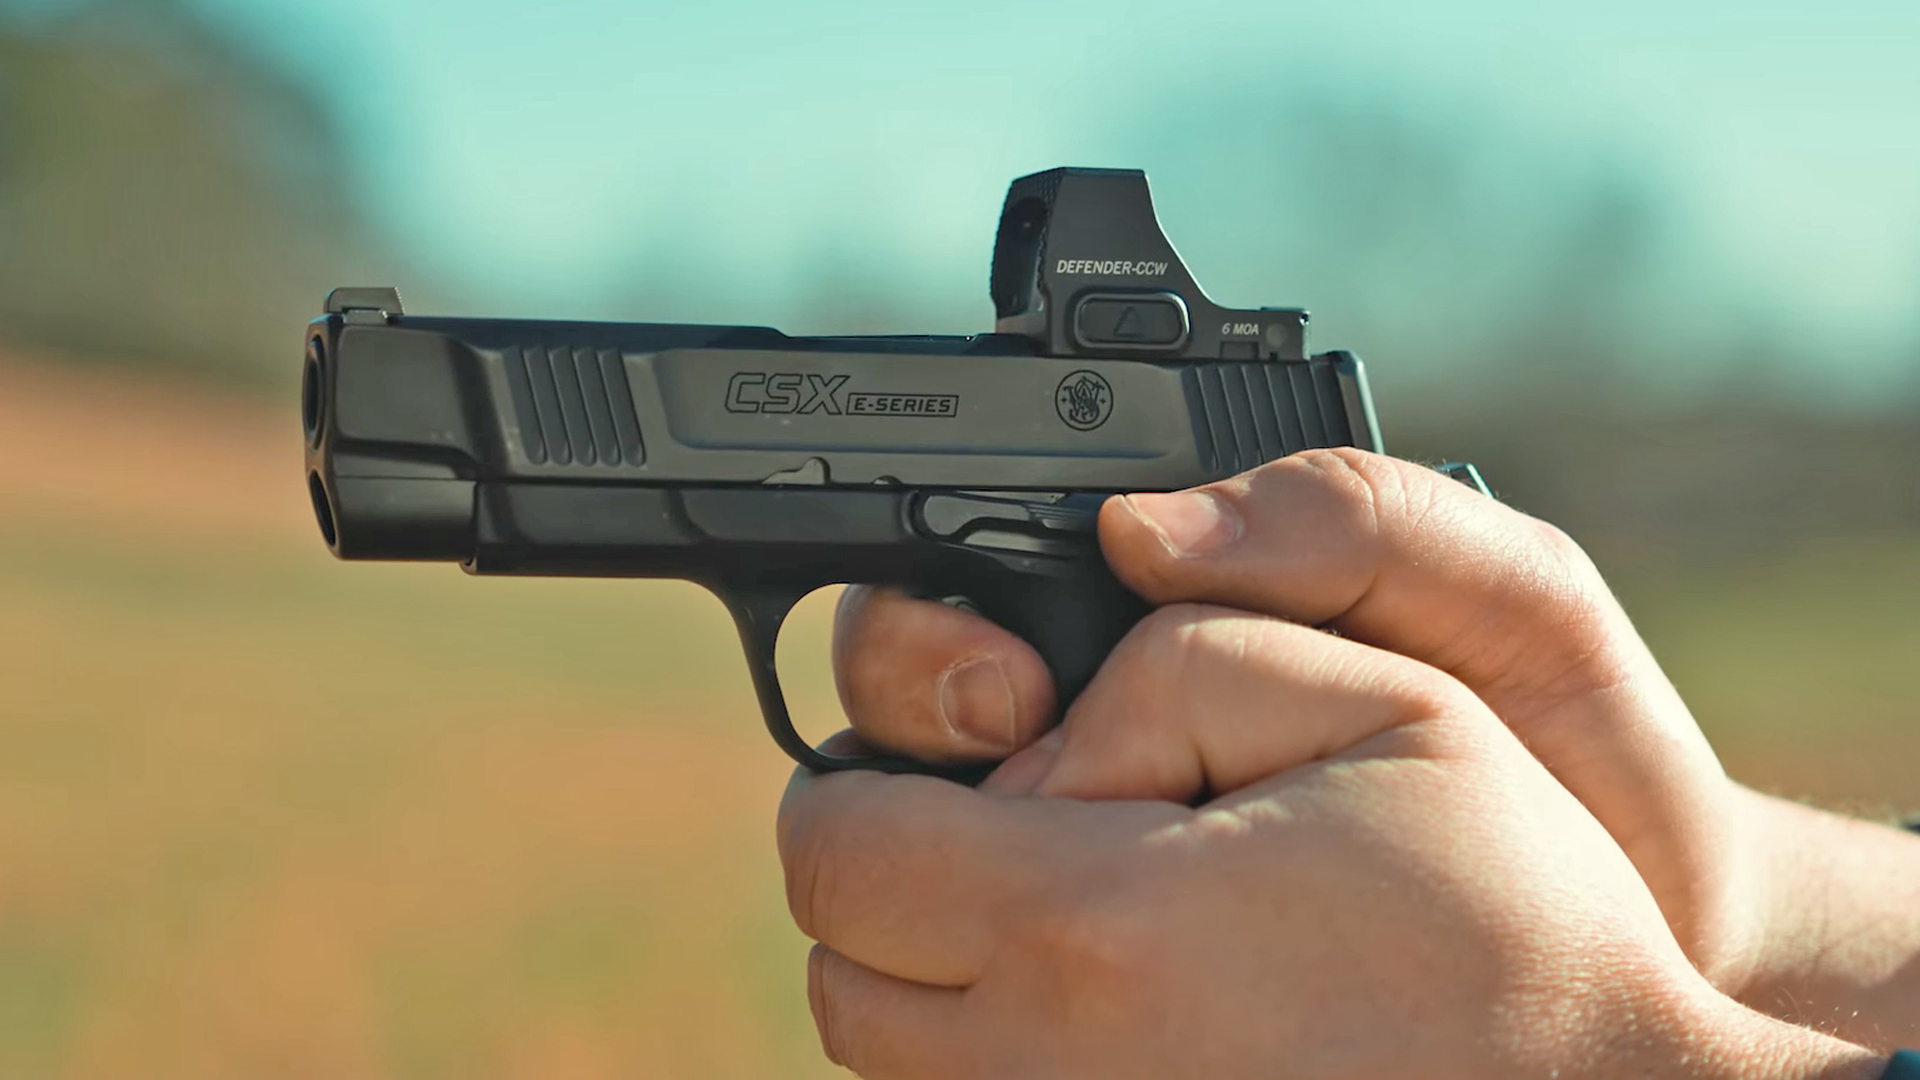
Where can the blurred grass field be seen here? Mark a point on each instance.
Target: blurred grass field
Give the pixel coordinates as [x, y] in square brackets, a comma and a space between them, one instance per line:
[266, 814]
[1804, 668]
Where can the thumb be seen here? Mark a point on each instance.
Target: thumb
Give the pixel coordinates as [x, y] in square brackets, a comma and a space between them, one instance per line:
[1389, 553]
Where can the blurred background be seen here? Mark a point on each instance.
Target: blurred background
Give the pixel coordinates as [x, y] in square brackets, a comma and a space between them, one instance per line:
[1655, 266]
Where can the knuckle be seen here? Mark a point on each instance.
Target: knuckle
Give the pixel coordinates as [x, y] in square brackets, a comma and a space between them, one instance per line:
[1554, 576]
[1563, 553]
[854, 615]
[1337, 459]
[802, 865]
[813, 860]
[829, 1006]
[860, 667]
[1351, 481]
[874, 643]
[1396, 691]
[1169, 645]
[851, 608]
[1169, 627]
[1425, 693]
[820, 1001]
[1434, 738]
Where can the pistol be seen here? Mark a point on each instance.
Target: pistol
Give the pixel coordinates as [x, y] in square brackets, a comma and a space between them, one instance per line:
[764, 466]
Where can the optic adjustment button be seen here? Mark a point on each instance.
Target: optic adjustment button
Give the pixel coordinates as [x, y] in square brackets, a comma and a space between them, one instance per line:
[1130, 321]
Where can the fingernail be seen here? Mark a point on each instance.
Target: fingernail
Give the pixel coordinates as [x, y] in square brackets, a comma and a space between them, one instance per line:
[976, 701]
[1190, 523]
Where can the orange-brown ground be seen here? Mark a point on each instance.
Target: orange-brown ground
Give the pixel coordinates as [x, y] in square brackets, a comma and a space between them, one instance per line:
[267, 814]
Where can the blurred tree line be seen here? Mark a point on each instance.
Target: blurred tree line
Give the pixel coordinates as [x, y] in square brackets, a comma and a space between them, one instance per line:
[164, 196]
[167, 197]
[1539, 310]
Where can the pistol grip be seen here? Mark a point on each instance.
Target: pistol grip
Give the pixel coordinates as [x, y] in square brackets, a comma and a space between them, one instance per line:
[1072, 617]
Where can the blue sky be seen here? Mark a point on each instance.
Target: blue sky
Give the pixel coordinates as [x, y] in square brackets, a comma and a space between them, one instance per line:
[561, 156]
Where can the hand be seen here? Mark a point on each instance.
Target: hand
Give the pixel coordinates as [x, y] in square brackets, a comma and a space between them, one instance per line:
[1402, 558]
[1385, 884]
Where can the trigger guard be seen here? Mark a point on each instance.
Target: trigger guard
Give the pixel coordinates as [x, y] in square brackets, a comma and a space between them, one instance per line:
[969, 773]
[758, 615]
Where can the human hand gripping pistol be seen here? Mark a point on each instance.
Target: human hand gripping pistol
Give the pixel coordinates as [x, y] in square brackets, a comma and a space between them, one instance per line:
[764, 466]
